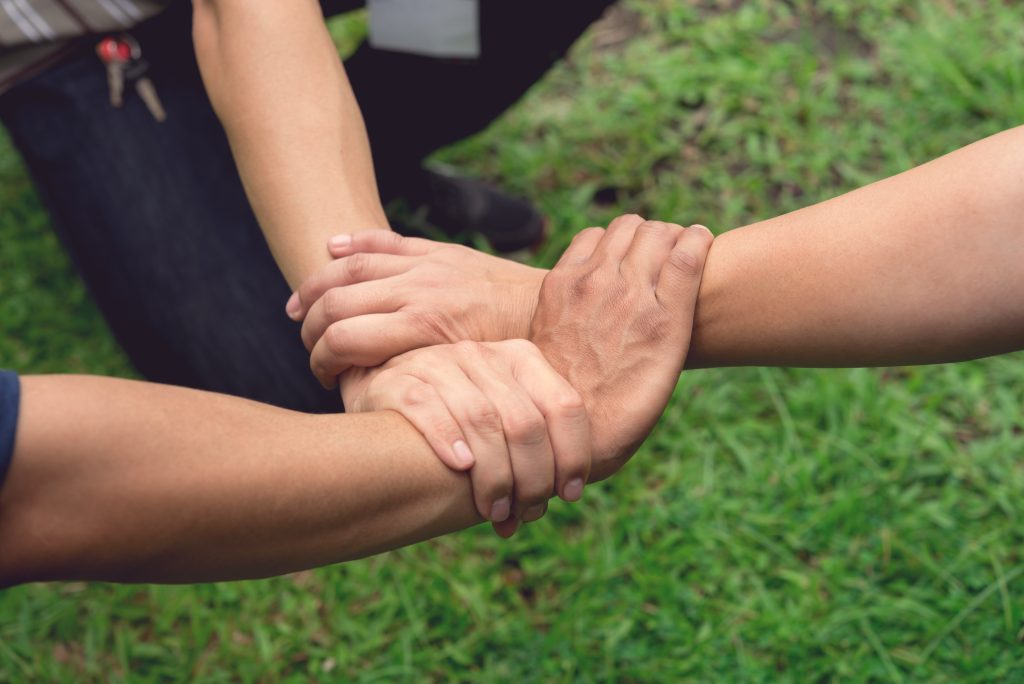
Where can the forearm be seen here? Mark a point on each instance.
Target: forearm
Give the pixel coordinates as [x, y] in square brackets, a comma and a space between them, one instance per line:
[164, 484]
[280, 90]
[923, 267]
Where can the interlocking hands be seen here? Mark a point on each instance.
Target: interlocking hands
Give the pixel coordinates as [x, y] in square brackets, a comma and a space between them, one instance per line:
[438, 333]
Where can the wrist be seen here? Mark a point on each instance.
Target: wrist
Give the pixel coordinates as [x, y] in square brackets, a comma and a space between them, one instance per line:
[524, 305]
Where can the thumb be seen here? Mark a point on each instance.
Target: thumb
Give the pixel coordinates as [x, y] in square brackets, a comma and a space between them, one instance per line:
[679, 281]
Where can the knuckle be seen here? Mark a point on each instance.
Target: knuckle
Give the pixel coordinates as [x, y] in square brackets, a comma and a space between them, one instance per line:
[589, 233]
[661, 227]
[417, 394]
[685, 262]
[387, 239]
[493, 483]
[334, 303]
[483, 417]
[630, 218]
[526, 428]
[468, 348]
[569, 403]
[357, 266]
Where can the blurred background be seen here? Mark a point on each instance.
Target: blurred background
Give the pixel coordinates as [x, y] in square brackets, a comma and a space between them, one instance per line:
[780, 525]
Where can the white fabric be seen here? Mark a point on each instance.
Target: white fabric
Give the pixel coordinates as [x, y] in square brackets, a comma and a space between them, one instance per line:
[436, 28]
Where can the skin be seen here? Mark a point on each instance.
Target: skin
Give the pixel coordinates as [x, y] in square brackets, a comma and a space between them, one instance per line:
[136, 482]
[922, 267]
[776, 293]
[116, 490]
[917, 268]
[308, 173]
[501, 400]
[307, 170]
[608, 279]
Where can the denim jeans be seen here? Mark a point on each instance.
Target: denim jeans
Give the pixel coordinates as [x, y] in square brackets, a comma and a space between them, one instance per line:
[154, 215]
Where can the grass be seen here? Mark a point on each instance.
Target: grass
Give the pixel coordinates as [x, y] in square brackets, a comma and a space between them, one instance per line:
[781, 525]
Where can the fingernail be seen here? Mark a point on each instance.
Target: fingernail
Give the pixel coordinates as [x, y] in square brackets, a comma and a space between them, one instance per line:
[534, 513]
[702, 227]
[293, 307]
[463, 456]
[573, 490]
[340, 241]
[500, 509]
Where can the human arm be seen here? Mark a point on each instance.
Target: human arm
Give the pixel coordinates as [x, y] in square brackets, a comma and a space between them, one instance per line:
[498, 409]
[128, 481]
[923, 267]
[611, 318]
[276, 82]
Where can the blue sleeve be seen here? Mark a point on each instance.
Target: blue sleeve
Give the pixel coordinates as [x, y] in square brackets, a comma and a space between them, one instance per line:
[10, 399]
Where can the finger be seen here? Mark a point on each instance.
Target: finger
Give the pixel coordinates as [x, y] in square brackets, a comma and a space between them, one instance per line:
[480, 422]
[365, 341]
[567, 421]
[342, 272]
[651, 245]
[421, 405]
[507, 527]
[526, 432]
[581, 247]
[535, 513]
[617, 238]
[679, 282]
[341, 303]
[378, 242]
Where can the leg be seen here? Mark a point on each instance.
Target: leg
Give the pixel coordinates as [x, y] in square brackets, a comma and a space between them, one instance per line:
[414, 105]
[156, 221]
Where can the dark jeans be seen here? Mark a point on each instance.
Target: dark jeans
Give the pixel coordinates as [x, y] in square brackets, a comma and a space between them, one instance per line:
[154, 215]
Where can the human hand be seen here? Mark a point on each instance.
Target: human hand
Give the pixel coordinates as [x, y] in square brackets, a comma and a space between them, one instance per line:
[497, 409]
[385, 295]
[614, 318]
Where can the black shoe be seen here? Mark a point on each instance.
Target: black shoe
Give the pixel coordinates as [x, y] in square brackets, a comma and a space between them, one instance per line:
[431, 203]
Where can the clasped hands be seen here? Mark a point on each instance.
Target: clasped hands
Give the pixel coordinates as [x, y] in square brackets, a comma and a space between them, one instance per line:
[534, 381]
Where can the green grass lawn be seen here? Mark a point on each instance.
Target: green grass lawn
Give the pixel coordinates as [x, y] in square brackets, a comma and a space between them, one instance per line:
[780, 525]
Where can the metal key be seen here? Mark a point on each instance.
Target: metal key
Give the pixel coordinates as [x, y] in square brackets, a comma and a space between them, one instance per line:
[147, 91]
[136, 73]
[115, 81]
[115, 56]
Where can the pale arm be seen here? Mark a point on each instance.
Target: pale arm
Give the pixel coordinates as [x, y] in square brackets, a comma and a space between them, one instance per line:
[280, 90]
[164, 484]
[923, 267]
